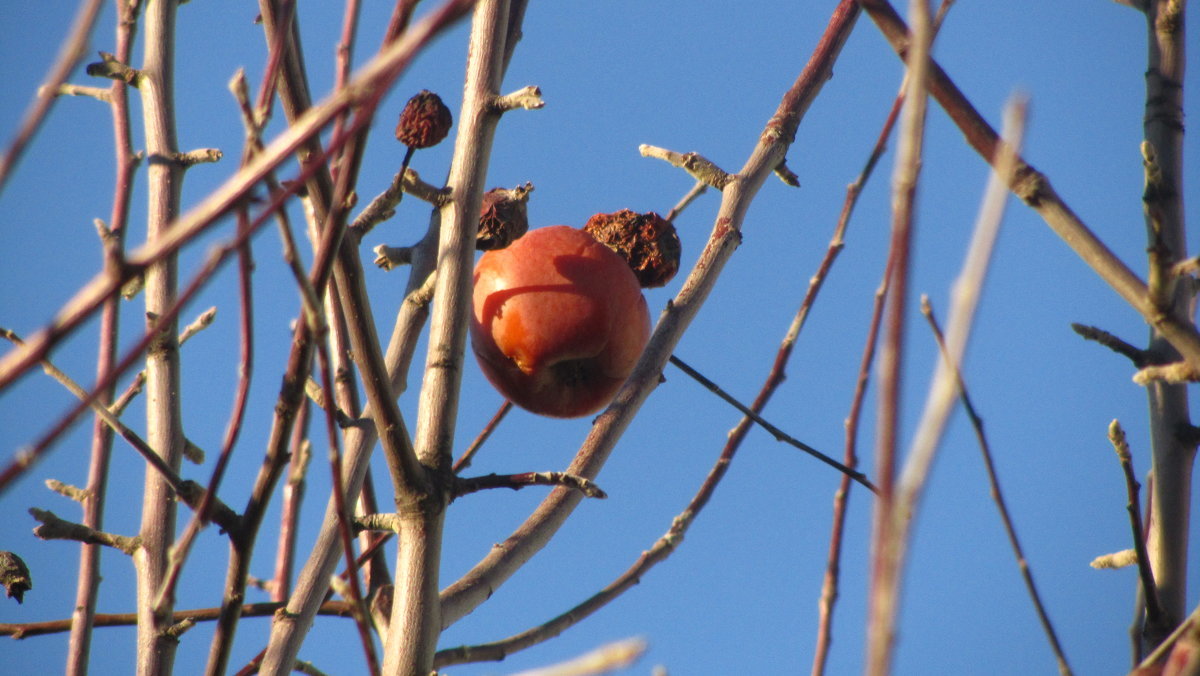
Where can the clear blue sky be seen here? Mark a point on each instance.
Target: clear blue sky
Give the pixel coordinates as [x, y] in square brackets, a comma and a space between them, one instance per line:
[740, 595]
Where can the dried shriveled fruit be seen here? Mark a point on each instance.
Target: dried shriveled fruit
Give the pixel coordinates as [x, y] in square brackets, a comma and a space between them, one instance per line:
[647, 241]
[424, 122]
[503, 217]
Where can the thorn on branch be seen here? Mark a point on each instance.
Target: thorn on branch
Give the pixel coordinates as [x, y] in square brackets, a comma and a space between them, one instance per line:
[787, 175]
[1138, 356]
[527, 98]
[54, 528]
[131, 288]
[697, 165]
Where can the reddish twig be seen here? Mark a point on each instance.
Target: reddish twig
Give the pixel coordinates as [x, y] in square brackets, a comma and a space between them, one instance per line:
[464, 461]
[885, 537]
[829, 585]
[289, 517]
[113, 240]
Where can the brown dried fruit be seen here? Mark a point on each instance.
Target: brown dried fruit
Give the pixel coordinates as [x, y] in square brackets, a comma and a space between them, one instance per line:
[647, 241]
[424, 122]
[503, 217]
[14, 575]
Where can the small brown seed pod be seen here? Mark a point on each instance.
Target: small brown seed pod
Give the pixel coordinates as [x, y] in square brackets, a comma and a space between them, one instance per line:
[647, 241]
[503, 217]
[424, 122]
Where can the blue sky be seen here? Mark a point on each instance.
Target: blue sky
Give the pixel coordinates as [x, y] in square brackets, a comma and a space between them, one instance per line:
[740, 594]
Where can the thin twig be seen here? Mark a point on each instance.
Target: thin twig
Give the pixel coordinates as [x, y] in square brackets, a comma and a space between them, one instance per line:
[779, 434]
[164, 414]
[997, 495]
[202, 515]
[54, 528]
[1154, 612]
[113, 237]
[697, 190]
[464, 461]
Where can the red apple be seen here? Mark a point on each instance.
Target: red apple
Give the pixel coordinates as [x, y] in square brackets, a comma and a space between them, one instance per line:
[559, 321]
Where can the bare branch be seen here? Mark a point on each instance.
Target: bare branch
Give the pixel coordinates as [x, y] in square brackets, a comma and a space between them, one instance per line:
[54, 528]
[525, 479]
